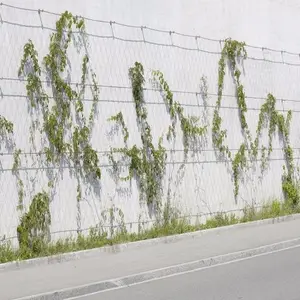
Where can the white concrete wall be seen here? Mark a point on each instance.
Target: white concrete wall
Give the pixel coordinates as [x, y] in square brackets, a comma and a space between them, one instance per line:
[207, 184]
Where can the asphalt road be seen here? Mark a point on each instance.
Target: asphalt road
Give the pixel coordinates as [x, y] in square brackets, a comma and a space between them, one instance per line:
[268, 277]
[101, 269]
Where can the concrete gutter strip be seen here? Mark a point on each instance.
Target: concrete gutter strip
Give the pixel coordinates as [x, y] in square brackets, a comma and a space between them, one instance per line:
[134, 245]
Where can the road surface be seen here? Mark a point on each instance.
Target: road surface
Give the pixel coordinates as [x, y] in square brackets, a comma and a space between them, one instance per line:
[265, 277]
[268, 277]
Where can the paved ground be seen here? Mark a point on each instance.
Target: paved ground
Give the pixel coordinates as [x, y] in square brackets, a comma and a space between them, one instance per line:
[269, 277]
[103, 266]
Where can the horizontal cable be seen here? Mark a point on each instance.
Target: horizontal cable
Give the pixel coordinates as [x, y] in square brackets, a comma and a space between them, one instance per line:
[142, 40]
[196, 93]
[129, 224]
[167, 150]
[114, 37]
[155, 103]
[127, 165]
[39, 11]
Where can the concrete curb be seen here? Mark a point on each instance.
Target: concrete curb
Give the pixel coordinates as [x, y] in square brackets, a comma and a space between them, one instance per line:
[71, 256]
[102, 286]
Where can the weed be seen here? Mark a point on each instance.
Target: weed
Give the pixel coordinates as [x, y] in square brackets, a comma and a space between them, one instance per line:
[170, 224]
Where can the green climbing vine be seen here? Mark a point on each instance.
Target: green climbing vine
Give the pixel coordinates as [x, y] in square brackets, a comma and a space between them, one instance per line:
[231, 51]
[204, 96]
[58, 123]
[174, 108]
[239, 163]
[20, 183]
[33, 229]
[119, 119]
[189, 125]
[147, 163]
[114, 219]
[270, 118]
[6, 127]
[61, 118]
